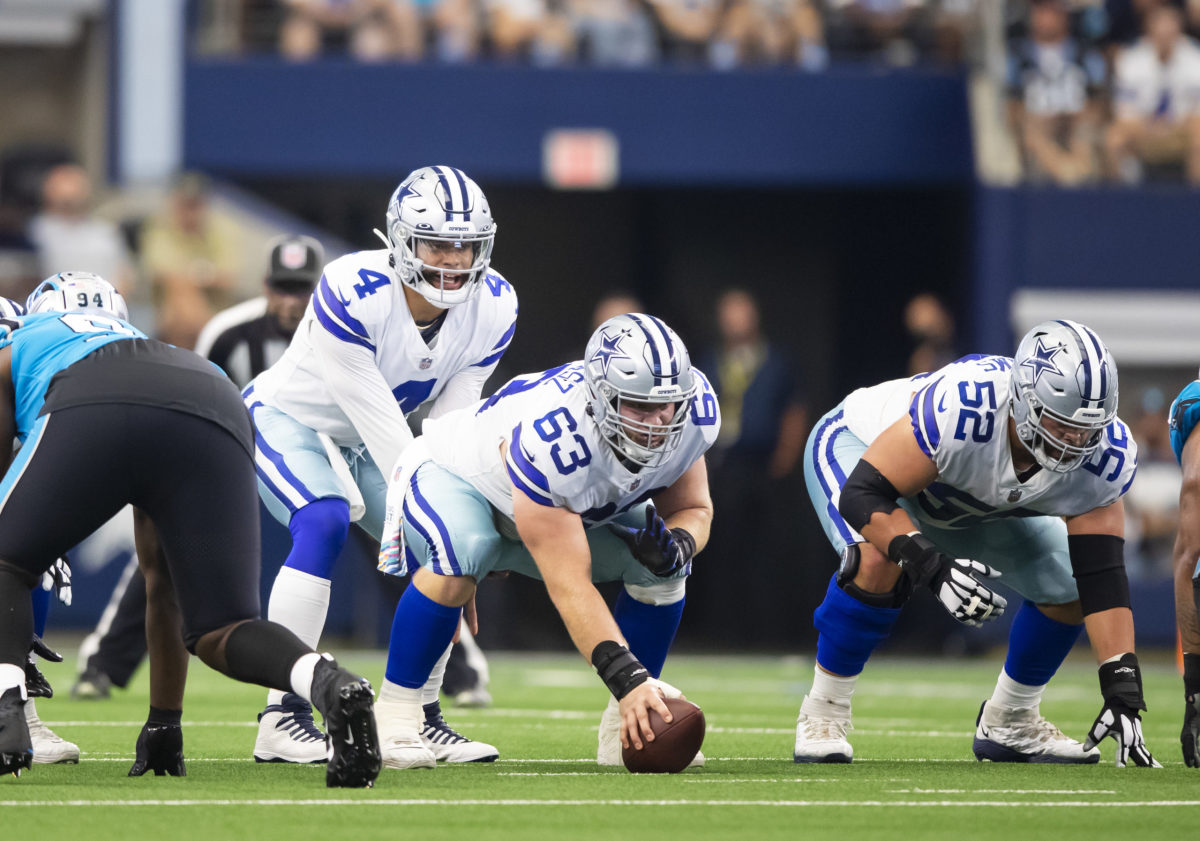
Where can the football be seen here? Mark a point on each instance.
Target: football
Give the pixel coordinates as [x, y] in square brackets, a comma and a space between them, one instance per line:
[674, 744]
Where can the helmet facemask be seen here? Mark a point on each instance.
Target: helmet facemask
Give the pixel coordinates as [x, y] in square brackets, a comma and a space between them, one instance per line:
[1052, 451]
[642, 443]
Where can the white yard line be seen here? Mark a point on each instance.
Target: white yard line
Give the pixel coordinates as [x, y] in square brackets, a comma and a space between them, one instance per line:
[840, 804]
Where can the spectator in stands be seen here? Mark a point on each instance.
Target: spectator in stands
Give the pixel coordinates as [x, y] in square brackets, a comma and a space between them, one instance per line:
[931, 327]
[687, 28]
[1053, 84]
[770, 32]
[190, 257]
[615, 33]
[373, 30]
[887, 29]
[536, 31]
[953, 23]
[613, 304]
[1156, 102]
[68, 237]
[453, 29]
[243, 340]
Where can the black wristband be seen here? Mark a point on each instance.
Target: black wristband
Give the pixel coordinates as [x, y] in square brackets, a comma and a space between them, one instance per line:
[917, 556]
[1121, 680]
[687, 544]
[1191, 674]
[618, 668]
[164, 717]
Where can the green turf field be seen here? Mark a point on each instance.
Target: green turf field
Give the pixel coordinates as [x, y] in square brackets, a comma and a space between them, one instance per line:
[913, 776]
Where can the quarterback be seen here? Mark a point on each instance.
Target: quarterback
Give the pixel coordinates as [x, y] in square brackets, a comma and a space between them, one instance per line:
[424, 320]
[591, 471]
[944, 481]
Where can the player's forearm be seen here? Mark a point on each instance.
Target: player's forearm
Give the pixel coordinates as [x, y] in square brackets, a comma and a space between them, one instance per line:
[1185, 557]
[1110, 632]
[696, 521]
[585, 614]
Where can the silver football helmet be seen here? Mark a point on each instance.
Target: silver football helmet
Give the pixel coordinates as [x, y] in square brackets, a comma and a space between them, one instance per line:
[632, 363]
[1063, 373]
[10, 308]
[72, 291]
[434, 209]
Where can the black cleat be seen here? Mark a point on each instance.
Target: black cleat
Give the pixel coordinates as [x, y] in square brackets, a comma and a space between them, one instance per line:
[36, 684]
[347, 703]
[159, 749]
[16, 748]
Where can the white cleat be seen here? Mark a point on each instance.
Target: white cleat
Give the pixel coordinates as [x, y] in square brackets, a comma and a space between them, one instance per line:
[608, 747]
[447, 744]
[400, 743]
[821, 732]
[287, 733]
[48, 747]
[1004, 734]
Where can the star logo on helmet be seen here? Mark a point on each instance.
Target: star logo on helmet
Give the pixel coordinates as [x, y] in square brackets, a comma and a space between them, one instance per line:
[403, 191]
[610, 349]
[1042, 360]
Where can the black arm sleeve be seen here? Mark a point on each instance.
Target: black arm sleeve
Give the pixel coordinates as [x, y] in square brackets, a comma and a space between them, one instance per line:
[1098, 564]
[866, 492]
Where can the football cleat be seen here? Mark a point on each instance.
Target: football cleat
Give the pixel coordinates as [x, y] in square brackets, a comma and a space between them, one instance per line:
[346, 701]
[821, 731]
[16, 748]
[447, 745]
[92, 685]
[1022, 735]
[608, 743]
[36, 684]
[287, 733]
[48, 747]
[400, 726]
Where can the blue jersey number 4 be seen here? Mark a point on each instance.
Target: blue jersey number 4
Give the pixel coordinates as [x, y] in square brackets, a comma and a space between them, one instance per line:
[371, 283]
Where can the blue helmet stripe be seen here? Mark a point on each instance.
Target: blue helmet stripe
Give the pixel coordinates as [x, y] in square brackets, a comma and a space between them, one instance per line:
[659, 342]
[1094, 373]
[450, 209]
[466, 194]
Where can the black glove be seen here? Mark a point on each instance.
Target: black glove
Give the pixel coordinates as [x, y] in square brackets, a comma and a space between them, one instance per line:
[1189, 738]
[954, 581]
[1121, 686]
[160, 745]
[36, 684]
[661, 550]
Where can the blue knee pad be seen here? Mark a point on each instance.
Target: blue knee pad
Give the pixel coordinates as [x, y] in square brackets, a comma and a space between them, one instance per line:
[319, 532]
[1037, 646]
[421, 630]
[849, 630]
[649, 629]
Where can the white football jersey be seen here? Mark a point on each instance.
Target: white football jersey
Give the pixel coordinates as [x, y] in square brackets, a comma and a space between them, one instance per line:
[959, 416]
[555, 451]
[360, 301]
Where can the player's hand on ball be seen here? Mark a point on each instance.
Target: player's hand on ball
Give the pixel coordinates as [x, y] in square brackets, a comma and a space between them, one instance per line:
[635, 721]
[159, 749]
[1121, 686]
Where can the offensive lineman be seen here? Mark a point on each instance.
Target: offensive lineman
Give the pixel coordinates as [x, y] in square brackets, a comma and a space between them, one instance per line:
[423, 320]
[108, 417]
[524, 480]
[1018, 465]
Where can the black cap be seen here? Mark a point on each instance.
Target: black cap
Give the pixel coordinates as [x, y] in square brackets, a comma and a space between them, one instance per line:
[295, 259]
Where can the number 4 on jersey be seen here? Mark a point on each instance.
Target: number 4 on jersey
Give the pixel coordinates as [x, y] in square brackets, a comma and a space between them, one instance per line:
[371, 283]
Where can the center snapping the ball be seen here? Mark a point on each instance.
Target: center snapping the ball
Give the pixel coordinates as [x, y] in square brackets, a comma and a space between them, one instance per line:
[674, 745]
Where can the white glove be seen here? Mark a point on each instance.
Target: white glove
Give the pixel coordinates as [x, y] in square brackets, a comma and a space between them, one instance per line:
[58, 579]
[957, 586]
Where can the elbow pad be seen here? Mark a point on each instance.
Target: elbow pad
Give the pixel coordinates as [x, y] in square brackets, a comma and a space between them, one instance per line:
[1098, 564]
[866, 492]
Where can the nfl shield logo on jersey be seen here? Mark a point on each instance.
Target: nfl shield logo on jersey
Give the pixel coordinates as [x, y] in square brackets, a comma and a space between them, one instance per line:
[425, 363]
[1014, 495]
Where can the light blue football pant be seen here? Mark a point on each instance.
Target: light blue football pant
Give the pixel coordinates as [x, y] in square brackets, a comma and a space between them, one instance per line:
[1030, 553]
[451, 529]
[294, 469]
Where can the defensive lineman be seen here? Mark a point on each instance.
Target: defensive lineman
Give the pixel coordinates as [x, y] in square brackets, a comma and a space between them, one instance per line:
[107, 418]
[1185, 415]
[425, 319]
[553, 477]
[1017, 464]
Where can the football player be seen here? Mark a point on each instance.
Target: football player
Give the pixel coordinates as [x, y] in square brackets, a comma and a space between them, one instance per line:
[591, 471]
[48, 746]
[424, 320]
[108, 417]
[945, 480]
[1185, 414]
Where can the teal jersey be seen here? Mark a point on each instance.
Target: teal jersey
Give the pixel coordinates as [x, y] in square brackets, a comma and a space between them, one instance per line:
[1185, 414]
[45, 344]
